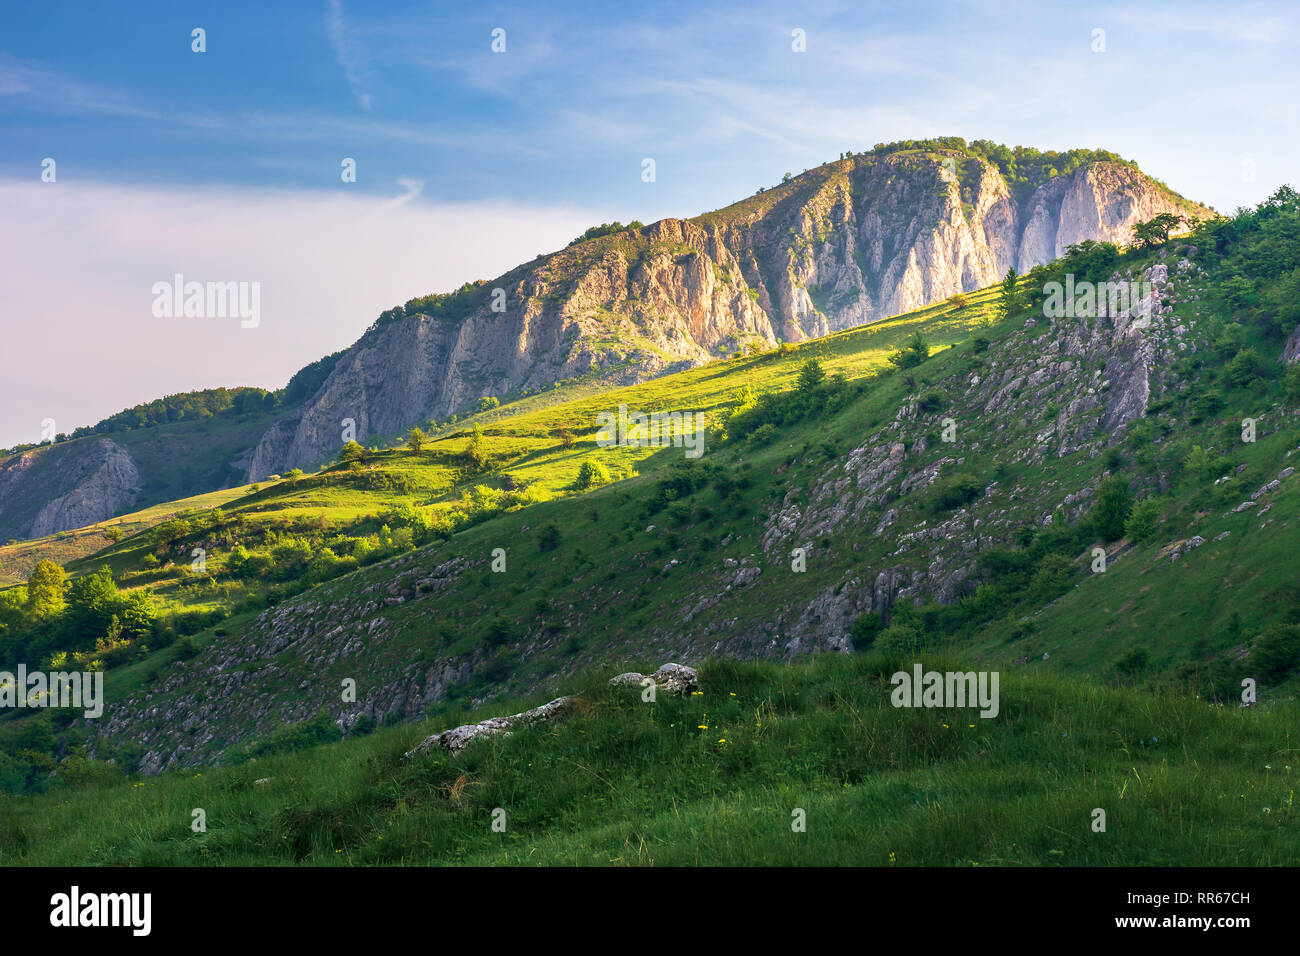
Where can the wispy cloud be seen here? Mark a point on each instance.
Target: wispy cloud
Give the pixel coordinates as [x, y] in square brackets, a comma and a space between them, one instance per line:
[336, 27]
[49, 90]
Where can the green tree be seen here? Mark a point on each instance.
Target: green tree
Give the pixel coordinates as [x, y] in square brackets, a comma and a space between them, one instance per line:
[811, 374]
[1143, 520]
[1009, 301]
[1291, 383]
[592, 473]
[476, 451]
[913, 354]
[45, 598]
[1114, 503]
[1155, 231]
[352, 451]
[415, 440]
[548, 537]
[293, 476]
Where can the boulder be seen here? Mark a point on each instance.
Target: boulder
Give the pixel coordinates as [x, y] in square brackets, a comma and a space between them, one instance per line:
[456, 738]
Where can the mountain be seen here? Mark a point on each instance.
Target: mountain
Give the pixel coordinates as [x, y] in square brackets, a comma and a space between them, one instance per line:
[848, 243]
[980, 498]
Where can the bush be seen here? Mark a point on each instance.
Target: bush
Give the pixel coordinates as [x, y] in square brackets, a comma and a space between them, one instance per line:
[955, 492]
[1291, 383]
[1143, 521]
[1276, 652]
[1133, 662]
[293, 737]
[1114, 502]
[913, 354]
[866, 629]
[591, 474]
[931, 403]
[548, 538]
[1243, 369]
[899, 640]
[1052, 577]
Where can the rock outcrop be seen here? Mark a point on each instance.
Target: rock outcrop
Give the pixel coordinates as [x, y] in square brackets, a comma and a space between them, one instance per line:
[69, 485]
[456, 738]
[848, 243]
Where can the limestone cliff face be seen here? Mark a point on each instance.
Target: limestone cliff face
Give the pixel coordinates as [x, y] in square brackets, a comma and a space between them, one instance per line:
[71, 485]
[848, 243]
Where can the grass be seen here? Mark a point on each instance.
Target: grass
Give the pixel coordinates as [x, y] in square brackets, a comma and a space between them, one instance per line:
[716, 779]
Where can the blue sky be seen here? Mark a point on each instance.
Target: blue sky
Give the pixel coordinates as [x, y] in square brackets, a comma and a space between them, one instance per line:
[225, 164]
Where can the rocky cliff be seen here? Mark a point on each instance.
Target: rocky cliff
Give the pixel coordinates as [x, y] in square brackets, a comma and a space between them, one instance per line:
[848, 243]
[69, 485]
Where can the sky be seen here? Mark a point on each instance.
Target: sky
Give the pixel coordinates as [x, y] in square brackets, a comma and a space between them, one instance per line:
[227, 164]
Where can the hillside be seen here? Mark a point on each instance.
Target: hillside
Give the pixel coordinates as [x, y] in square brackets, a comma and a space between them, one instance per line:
[986, 545]
[850, 242]
[853, 241]
[717, 779]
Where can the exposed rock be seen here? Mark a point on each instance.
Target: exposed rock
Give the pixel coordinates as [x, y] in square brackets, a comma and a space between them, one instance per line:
[856, 241]
[456, 738]
[68, 485]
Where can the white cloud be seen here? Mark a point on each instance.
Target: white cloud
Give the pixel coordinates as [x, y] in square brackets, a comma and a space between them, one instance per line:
[337, 30]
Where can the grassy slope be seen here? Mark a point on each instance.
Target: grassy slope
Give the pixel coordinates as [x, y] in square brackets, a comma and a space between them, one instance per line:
[714, 779]
[523, 439]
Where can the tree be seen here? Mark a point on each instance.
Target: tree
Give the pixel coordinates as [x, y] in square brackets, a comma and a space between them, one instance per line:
[548, 537]
[45, 590]
[567, 438]
[1009, 302]
[913, 354]
[476, 451]
[811, 375]
[1155, 231]
[1114, 503]
[415, 440]
[352, 451]
[592, 473]
[488, 402]
[293, 476]
[1143, 520]
[1291, 383]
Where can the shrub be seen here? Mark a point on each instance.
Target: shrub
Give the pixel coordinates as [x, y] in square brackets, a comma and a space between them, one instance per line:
[899, 640]
[1114, 502]
[1291, 383]
[1143, 521]
[931, 402]
[955, 492]
[1052, 577]
[591, 474]
[913, 354]
[1134, 661]
[1276, 651]
[548, 538]
[866, 629]
[1243, 369]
